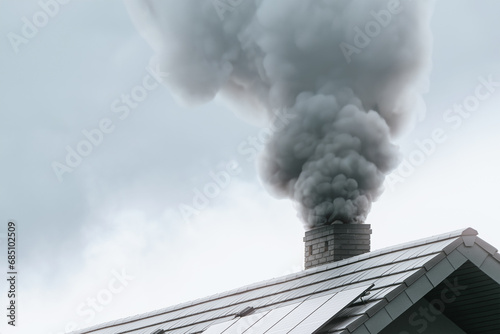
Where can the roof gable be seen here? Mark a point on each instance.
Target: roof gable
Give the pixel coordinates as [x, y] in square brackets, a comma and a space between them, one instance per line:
[401, 275]
[469, 269]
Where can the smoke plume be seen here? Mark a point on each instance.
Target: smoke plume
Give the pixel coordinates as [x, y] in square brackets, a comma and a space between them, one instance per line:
[349, 71]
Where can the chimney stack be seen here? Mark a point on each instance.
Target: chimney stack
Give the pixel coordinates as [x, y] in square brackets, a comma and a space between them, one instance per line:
[335, 242]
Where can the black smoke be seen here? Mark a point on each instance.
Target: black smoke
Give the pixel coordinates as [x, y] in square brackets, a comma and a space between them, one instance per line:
[350, 71]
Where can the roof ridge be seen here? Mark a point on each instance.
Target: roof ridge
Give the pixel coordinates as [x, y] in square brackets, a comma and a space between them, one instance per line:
[390, 249]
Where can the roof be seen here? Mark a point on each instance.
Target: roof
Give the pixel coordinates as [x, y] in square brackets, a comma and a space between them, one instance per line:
[396, 277]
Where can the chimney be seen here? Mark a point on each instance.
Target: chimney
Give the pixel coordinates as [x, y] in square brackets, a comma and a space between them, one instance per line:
[335, 242]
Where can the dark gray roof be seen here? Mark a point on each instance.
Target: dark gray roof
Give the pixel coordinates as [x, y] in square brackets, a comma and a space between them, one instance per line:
[399, 275]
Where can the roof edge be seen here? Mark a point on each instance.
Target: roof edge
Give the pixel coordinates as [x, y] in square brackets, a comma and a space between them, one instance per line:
[483, 255]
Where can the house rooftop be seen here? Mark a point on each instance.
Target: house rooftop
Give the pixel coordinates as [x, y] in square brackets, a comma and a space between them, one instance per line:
[365, 293]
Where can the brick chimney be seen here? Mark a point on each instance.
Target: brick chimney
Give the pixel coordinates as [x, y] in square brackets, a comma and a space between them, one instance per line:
[335, 242]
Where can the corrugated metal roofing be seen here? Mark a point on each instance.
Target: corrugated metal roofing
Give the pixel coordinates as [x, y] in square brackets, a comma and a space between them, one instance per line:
[390, 270]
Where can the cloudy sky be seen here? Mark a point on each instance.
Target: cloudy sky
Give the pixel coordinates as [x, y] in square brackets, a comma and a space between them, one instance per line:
[102, 236]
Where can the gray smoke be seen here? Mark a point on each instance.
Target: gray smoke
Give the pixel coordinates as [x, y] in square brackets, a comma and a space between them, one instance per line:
[350, 71]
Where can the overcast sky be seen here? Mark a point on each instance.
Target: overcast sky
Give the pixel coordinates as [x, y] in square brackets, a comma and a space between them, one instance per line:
[112, 221]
